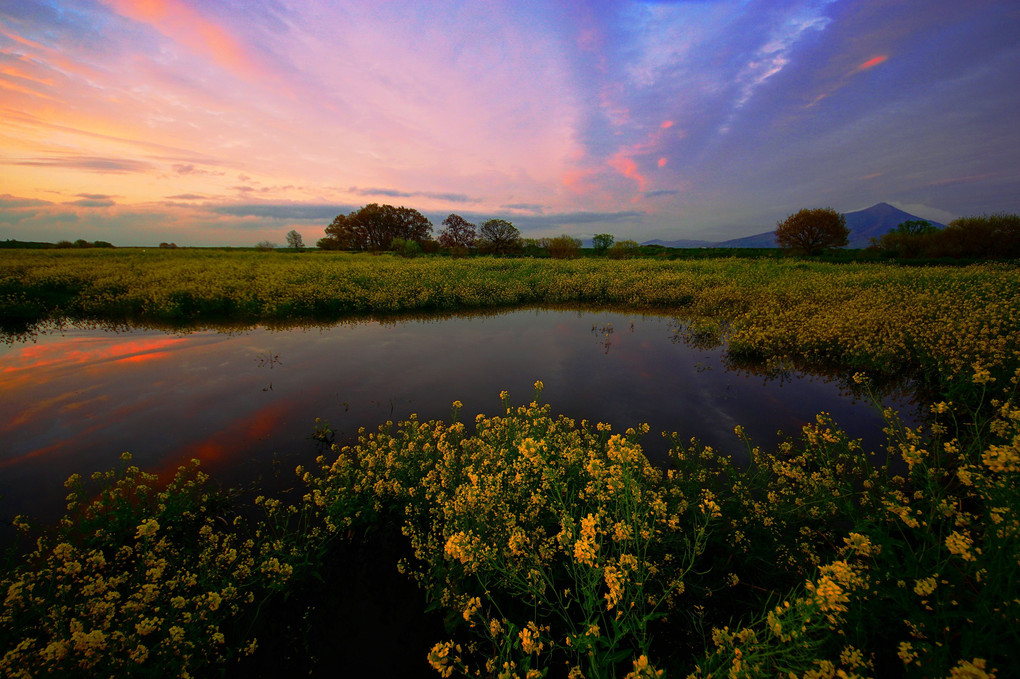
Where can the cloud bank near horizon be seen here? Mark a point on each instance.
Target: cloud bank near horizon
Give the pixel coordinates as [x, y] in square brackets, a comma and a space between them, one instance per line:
[219, 123]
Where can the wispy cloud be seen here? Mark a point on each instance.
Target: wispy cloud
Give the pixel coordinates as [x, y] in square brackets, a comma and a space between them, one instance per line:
[661, 192]
[871, 63]
[92, 202]
[195, 30]
[281, 211]
[89, 163]
[8, 201]
[775, 54]
[395, 193]
[533, 208]
[190, 169]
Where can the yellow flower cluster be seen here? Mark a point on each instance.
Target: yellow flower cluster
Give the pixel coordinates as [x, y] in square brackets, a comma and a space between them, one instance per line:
[137, 582]
[530, 509]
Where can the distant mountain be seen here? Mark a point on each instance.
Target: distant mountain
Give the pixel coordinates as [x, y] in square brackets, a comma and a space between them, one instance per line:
[682, 243]
[872, 222]
[876, 221]
[760, 240]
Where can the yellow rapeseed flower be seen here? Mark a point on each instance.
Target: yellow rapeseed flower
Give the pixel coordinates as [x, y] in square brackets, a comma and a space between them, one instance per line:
[586, 548]
[530, 642]
[146, 529]
[960, 544]
[907, 653]
[971, 669]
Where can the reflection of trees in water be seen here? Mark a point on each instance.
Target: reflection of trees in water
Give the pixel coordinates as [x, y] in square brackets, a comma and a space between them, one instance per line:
[27, 331]
[14, 333]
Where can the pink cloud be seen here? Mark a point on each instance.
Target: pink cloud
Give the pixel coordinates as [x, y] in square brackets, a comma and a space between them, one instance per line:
[22, 75]
[25, 90]
[186, 26]
[626, 166]
[871, 63]
[864, 66]
[577, 181]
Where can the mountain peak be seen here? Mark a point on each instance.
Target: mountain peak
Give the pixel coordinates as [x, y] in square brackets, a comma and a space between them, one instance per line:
[880, 208]
[876, 221]
[871, 222]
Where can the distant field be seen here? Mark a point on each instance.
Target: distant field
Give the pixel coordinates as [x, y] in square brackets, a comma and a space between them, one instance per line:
[936, 321]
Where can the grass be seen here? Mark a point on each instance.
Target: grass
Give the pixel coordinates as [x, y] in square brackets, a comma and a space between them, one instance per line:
[551, 547]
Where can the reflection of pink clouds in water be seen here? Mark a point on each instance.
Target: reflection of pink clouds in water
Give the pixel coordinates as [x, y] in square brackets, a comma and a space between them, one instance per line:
[222, 448]
[29, 369]
[86, 352]
[61, 448]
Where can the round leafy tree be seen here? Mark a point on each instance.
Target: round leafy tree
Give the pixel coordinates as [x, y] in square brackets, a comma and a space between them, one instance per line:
[498, 236]
[459, 233]
[812, 231]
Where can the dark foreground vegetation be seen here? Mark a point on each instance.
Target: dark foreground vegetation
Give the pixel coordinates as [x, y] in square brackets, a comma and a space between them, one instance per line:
[541, 546]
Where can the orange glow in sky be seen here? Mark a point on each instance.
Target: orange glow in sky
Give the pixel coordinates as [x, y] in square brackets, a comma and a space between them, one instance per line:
[871, 63]
[178, 20]
[226, 123]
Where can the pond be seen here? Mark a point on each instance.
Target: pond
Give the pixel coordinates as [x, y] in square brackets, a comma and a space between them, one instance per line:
[245, 402]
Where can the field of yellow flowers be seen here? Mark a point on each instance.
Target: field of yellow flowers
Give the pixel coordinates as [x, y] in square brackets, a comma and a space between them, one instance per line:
[552, 547]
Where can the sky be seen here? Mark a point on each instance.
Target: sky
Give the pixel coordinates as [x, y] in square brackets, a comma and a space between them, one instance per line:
[229, 122]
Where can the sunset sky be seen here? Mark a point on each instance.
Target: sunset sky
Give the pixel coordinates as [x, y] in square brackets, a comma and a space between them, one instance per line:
[228, 122]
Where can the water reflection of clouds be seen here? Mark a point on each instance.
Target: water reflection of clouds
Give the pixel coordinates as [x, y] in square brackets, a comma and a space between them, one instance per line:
[223, 446]
[85, 351]
[74, 403]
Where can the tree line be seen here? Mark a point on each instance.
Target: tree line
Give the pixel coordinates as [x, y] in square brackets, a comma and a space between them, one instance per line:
[376, 228]
[995, 236]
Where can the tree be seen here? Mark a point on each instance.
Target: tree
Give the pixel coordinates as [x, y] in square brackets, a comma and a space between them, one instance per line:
[564, 247]
[910, 239]
[459, 233]
[915, 227]
[625, 249]
[812, 231]
[602, 242]
[265, 246]
[374, 227]
[994, 236]
[407, 248]
[294, 240]
[498, 236]
[535, 247]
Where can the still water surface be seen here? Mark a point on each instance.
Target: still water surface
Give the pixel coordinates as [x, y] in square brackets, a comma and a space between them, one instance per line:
[245, 403]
